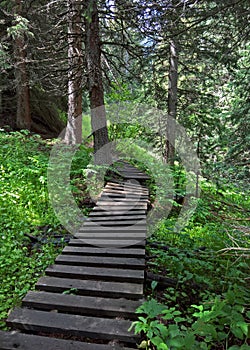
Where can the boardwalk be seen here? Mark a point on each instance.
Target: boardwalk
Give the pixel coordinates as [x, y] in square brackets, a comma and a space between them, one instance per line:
[88, 297]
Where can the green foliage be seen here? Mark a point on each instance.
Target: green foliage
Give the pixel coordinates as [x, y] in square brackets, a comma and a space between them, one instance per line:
[20, 26]
[218, 322]
[23, 192]
[4, 57]
[20, 268]
[25, 208]
[223, 318]
[208, 264]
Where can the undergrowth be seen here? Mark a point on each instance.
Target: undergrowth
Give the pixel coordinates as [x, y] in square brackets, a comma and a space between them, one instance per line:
[207, 304]
[25, 210]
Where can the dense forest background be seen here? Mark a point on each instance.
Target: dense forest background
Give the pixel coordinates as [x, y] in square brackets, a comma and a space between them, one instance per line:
[63, 65]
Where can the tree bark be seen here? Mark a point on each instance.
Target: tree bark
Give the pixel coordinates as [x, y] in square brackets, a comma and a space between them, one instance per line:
[73, 134]
[95, 84]
[172, 101]
[23, 115]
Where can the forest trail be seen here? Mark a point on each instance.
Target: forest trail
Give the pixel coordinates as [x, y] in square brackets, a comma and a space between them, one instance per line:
[88, 297]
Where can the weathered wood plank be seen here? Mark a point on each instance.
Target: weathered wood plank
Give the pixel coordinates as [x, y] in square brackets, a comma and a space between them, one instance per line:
[102, 274]
[133, 229]
[98, 211]
[104, 235]
[109, 243]
[119, 263]
[111, 191]
[127, 186]
[108, 238]
[82, 305]
[15, 340]
[135, 222]
[89, 251]
[73, 325]
[108, 218]
[123, 189]
[122, 200]
[90, 287]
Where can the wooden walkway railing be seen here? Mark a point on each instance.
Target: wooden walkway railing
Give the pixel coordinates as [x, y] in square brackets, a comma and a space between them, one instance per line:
[88, 298]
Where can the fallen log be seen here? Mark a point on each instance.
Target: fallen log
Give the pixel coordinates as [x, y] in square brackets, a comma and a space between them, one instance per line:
[166, 282]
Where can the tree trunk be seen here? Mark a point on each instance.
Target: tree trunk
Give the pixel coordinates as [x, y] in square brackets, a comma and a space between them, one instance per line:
[172, 101]
[95, 84]
[23, 115]
[73, 134]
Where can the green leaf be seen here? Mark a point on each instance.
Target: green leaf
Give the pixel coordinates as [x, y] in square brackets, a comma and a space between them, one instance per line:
[243, 326]
[189, 340]
[237, 331]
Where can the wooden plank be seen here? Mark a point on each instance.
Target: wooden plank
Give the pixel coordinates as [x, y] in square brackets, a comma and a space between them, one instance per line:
[126, 188]
[125, 207]
[113, 224]
[131, 172]
[97, 211]
[122, 201]
[122, 208]
[125, 191]
[90, 287]
[110, 223]
[82, 305]
[102, 274]
[14, 340]
[91, 251]
[133, 229]
[117, 231]
[134, 176]
[123, 194]
[73, 325]
[111, 243]
[110, 190]
[130, 184]
[116, 237]
[119, 263]
[107, 218]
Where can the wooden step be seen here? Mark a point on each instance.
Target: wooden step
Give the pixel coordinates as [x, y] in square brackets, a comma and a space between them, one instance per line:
[127, 186]
[91, 287]
[91, 251]
[96, 273]
[14, 340]
[112, 192]
[122, 200]
[94, 227]
[82, 305]
[71, 325]
[119, 263]
[120, 207]
[97, 211]
[110, 235]
[105, 239]
[124, 193]
[118, 244]
[120, 223]
[106, 218]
